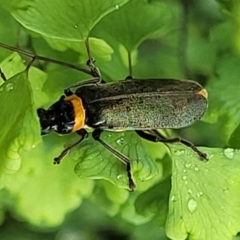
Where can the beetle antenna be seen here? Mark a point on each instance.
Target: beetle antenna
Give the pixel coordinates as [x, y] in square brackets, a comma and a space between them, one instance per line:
[41, 58]
[95, 72]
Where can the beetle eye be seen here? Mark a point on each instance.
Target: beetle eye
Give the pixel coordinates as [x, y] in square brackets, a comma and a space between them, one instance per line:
[44, 121]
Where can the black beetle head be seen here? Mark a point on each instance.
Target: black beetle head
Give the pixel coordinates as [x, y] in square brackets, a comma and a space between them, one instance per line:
[59, 117]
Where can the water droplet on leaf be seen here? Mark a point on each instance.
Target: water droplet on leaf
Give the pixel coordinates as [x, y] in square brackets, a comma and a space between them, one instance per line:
[179, 152]
[199, 194]
[196, 169]
[173, 198]
[229, 153]
[120, 176]
[192, 205]
[189, 191]
[120, 141]
[188, 165]
[9, 87]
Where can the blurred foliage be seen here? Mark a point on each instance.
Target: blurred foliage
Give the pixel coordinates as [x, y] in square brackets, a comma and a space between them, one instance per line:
[177, 196]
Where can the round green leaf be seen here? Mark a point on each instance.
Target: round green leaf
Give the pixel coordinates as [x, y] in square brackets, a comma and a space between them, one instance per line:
[96, 162]
[135, 21]
[22, 131]
[44, 193]
[223, 92]
[204, 200]
[67, 20]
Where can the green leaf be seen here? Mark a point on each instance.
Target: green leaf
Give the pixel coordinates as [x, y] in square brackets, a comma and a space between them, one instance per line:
[22, 132]
[7, 28]
[154, 202]
[12, 65]
[66, 20]
[135, 21]
[129, 213]
[204, 201]
[95, 162]
[223, 91]
[234, 140]
[99, 48]
[108, 196]
[37, 79]
[201, 49]
[45, 192]
[226, 5]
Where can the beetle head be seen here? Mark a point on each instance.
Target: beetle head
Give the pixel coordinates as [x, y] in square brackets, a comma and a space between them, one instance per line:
[59, 117]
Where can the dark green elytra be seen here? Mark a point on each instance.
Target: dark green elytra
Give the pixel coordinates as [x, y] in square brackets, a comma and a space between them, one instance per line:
[137, 104]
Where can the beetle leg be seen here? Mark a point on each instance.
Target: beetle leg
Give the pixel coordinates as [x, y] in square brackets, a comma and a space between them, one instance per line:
[155, 136]
[83, 133]
[96, 136]
[156, 133]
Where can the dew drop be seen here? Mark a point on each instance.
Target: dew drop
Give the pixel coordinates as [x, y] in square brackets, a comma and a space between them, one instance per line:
[117, 6]
[196, 169]
[119, 176]
[179, 152]
[120, 141]
[184, 178]
[9, 87]
[229, 153]
[76, 26]
[199, 194]
[188, 165]
[189, 191]
[173, 198]
[192, 205]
